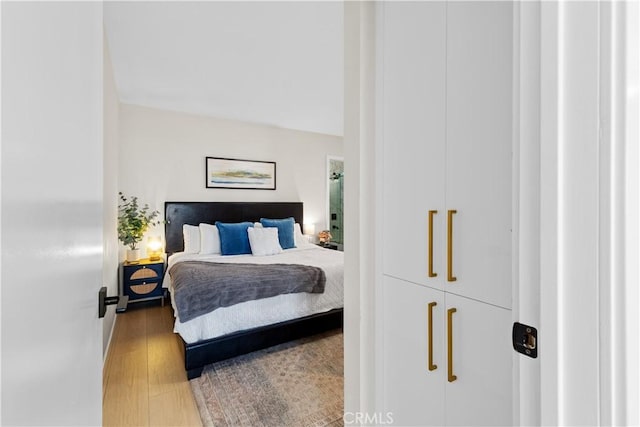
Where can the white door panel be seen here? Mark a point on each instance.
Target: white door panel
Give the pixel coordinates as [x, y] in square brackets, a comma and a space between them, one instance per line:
[414, 138]
[51, 213]
[413, 394]
[482, 359]
[478, 158]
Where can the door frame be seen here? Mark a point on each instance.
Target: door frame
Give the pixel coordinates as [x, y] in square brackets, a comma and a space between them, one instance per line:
[578, 170]
[327, 224]
[360, 219]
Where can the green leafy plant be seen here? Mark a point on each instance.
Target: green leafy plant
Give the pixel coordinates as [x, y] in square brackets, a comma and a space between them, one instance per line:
[134, 221]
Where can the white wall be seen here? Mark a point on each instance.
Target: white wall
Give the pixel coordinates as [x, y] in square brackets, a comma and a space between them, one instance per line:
[162, 158]
[110, 192]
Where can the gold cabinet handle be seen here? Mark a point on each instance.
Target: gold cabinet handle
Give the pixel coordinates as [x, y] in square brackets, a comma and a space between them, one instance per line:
[450, 276]
[431, 272]
[450, 375]
[430, 336]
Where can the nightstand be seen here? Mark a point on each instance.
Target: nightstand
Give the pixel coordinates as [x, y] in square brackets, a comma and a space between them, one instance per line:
[142, 281]
[333, 246]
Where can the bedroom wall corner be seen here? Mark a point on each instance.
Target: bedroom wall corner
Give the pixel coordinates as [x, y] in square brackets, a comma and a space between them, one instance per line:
[162, 158]
[110, 260]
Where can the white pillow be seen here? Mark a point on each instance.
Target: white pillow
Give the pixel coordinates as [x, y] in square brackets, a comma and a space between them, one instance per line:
[264, 241]
[209, 239]
[257, 225]
[191, 236]
[300, 239]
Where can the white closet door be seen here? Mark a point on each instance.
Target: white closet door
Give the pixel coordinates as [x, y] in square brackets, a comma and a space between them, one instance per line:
[413, 393]
[479, 133]
[414, 137]
[481, 393]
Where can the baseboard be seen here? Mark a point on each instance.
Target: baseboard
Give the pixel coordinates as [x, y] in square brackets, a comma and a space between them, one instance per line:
[106, 350]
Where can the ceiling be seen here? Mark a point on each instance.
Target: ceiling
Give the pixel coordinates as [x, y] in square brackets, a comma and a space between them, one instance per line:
[274, 63]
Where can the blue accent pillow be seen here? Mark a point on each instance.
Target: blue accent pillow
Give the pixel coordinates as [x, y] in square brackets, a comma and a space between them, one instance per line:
[234, 239]
[285, 230]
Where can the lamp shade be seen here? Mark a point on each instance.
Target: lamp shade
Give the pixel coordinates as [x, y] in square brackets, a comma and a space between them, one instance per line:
[154, 248]
[309, 228]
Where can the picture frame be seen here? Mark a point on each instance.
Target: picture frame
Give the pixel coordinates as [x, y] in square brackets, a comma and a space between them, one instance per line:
[221, 172]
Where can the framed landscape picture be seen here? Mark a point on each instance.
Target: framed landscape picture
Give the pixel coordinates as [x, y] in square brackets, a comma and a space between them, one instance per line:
[242, 174]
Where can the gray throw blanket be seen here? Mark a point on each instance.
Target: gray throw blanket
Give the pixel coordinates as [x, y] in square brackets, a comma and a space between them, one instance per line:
[200, 287]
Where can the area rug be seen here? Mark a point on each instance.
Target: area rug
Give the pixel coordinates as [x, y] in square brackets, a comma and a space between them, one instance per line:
[299, 383]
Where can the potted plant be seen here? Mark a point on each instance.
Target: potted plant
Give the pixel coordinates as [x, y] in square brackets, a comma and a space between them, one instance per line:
[133, 222]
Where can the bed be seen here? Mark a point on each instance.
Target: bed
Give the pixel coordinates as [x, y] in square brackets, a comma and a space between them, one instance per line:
[248, 326]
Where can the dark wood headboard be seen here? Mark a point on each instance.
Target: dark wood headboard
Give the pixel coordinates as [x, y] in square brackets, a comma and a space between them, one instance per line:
[177, 214]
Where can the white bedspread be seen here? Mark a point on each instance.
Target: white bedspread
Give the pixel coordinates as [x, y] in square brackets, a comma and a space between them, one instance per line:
[266, 311]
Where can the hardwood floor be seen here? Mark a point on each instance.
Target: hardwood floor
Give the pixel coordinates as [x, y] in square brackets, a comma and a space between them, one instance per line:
[144, 382]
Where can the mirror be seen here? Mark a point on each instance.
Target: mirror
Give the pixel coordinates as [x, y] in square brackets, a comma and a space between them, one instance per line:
[335, 203]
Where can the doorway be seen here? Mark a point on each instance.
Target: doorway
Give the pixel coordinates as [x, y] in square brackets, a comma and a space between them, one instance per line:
[335, 199]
